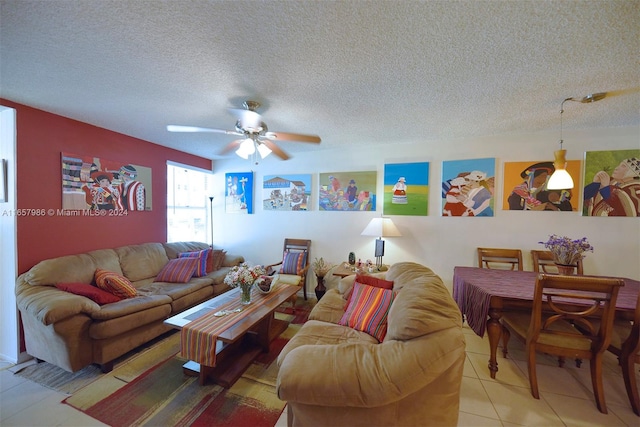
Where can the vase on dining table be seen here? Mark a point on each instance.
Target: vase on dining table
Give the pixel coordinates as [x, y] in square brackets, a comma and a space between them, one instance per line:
[565, 270]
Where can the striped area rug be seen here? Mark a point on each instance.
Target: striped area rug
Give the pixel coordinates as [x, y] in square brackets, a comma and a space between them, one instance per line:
[163, 395]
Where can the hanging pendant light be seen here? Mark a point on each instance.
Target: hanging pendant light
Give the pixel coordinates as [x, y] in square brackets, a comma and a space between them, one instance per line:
[560, 179]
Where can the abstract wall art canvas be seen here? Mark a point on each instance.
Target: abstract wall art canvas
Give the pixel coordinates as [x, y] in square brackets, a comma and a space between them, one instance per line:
[612, 183]
[239, 192]
[100, 184]
[525, 187]
[286, 192]
[347, 191]
[468, 187]
[406, 189]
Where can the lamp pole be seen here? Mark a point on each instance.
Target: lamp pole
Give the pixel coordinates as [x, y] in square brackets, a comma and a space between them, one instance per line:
[211, 218]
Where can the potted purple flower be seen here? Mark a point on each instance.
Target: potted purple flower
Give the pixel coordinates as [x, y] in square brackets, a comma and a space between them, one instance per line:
[567, 252]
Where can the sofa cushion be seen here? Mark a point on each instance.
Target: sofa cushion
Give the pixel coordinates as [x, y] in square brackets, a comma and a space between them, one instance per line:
[293, 262]
[114, 283]
[201, 268]
[142, 261]
[218, 257]
[422, 306]
[368, 309]
[92, 292]
[178, 270]
[66, 269]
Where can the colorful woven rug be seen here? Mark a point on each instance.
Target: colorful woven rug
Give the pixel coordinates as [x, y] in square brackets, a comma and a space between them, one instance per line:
[164, 395]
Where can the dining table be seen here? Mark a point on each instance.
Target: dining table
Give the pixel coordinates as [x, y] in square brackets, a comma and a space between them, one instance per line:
[483, 294]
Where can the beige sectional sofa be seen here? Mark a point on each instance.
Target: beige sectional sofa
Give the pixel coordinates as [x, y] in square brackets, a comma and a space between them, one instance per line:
[333, 375]
[73, 331]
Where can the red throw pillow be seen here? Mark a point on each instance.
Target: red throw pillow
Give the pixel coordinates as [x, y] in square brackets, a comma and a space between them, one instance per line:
[368, 310]
[92, 292]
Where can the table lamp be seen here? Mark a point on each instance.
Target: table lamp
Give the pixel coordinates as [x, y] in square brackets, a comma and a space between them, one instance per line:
[380, 227]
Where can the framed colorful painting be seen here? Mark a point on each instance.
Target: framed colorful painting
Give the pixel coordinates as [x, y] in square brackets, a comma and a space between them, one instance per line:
[468, 187]
[286, 192]
[100, 184]
[612, 183]
[525, 187]
[347, 191]
[406, 189]
[239, 192]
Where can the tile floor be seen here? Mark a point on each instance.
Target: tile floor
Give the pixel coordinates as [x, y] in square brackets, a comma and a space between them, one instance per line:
[566, 395]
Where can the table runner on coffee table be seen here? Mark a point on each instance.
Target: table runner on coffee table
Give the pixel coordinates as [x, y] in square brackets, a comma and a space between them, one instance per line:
[199, 337]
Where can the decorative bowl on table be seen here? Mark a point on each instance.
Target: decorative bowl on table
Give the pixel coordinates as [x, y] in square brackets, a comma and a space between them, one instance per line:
[264, 284]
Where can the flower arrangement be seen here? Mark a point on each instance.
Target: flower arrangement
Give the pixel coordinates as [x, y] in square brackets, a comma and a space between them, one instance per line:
[321, 267]
[243, 275]
[566, 251]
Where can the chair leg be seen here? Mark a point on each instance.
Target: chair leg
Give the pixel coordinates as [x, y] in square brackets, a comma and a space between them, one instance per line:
[531, 365]
[578, 363]
[506, 335]
[596, 380]
[561, 361]
[628, 373]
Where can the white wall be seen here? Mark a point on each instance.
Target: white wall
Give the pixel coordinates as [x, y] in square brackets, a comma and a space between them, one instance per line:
[8, 243]
[438, 242]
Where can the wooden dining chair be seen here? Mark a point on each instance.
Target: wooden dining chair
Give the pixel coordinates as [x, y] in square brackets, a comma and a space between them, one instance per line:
[295, 263]
[543, 263]
[559, 303]
[625, 343]
[504, 259]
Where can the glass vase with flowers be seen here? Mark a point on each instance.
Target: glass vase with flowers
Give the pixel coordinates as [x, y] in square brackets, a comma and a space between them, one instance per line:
[243, 276]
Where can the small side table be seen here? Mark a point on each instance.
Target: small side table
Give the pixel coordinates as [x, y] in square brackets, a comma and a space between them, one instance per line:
[344, 270]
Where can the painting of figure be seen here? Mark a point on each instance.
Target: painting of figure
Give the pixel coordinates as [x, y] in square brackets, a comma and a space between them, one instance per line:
[239, 192]
[525, 187]
[406, 188]
[612, 183]
[347, 191]
[468, 187]
[100, 184]
[286, 193]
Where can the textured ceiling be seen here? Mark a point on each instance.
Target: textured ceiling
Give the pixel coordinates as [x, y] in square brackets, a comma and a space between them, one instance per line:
[353, 72]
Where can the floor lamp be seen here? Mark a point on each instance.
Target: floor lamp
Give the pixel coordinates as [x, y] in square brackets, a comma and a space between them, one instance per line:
[380, 227]
[211, 218]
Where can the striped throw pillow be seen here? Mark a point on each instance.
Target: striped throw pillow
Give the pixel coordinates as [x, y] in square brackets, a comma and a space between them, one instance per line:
[293, 262]
[178, 270]
[201, 268]
[116, 284]
[368, 310]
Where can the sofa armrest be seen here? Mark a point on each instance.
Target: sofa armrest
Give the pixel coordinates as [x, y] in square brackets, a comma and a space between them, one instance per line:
[367, 375]
[49, 304]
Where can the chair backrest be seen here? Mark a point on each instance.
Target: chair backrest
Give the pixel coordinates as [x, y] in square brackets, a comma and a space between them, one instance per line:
[495, 258]
[543, 263]
[298, 246]
[587, 302]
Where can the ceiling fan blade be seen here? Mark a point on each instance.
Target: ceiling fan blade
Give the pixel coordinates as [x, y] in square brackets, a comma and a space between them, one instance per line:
[231, 146]
[178, 128]
[276, 150]
[283, 136]
[247, 118]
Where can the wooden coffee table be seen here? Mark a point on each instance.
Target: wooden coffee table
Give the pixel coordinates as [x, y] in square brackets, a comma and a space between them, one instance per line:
[239, 345]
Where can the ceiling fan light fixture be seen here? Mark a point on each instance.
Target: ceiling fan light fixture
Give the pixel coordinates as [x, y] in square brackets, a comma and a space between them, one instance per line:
[263, 150]
[247, 148]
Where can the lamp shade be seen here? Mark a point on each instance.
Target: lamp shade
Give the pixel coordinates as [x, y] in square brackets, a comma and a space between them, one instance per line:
[381, 227]
[560, 179]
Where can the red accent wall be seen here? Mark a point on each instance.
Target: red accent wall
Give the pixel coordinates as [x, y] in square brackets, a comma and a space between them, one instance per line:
[41, 137]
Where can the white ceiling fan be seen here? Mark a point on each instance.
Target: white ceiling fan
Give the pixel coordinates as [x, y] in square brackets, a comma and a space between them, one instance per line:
[254, 134]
